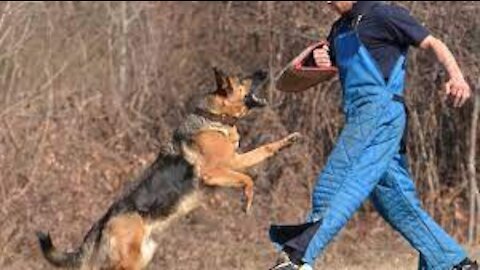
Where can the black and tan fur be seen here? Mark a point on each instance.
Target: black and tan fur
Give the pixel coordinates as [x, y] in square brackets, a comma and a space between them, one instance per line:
[204, 153]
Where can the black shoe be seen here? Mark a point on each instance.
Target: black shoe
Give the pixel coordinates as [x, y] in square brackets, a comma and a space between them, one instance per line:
[466, 264]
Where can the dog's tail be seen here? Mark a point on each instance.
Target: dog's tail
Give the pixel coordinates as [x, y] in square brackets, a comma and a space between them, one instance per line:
[58, 258]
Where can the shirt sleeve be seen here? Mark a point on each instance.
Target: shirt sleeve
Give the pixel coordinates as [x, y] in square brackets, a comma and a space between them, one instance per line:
[403, 27]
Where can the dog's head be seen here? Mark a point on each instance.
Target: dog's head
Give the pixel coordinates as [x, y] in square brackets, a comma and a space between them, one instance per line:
[235, 96]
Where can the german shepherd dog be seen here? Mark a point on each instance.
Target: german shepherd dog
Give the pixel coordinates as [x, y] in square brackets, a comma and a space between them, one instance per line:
[204, 151]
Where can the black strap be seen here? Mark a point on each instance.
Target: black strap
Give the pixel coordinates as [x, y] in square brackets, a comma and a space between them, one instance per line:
[398, 98]
[403, 146]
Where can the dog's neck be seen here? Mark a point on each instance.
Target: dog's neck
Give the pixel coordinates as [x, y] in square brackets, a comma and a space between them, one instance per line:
[222, 118]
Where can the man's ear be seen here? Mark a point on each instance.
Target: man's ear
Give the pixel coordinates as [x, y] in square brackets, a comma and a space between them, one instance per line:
[223, 83]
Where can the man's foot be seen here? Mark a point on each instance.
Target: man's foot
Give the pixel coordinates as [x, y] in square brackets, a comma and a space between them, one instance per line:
[466, 264]
[284, 263]
[285, 266]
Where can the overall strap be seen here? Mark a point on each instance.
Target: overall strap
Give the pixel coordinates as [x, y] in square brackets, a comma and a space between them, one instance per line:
[401, 99]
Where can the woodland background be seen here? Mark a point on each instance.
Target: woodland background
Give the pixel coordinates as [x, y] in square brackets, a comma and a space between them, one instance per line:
[89, 91]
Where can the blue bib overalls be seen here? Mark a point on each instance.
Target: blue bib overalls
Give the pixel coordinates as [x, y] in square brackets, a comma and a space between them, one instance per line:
[368, 162]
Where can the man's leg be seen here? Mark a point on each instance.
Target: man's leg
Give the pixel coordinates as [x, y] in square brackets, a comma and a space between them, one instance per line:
[360, 159]
[395, 199]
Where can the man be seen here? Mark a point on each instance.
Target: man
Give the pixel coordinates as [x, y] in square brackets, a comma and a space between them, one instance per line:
[369, 45]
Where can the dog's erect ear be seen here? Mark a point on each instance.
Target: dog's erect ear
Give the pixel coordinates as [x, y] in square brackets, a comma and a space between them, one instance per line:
[224, 85]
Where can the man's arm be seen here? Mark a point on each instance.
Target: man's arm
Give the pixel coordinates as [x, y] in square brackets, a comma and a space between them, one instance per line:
[456, 88]
[406, 30]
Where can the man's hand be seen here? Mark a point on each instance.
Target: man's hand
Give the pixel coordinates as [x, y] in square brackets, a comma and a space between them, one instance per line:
[458, 91]
[321, 56]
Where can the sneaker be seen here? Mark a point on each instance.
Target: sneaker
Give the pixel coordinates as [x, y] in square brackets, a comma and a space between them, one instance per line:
[291, 266]
[466, 264]
[284, 263]
[305, 267]
[285, 266]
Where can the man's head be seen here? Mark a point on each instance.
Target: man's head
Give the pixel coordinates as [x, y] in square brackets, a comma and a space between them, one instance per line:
[341, 7]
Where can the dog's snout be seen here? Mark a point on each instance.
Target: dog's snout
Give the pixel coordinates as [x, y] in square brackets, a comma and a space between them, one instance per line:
[252, 101]
[259, 81]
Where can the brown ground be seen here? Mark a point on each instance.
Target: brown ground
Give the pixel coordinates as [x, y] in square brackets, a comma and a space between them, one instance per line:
[216, 236]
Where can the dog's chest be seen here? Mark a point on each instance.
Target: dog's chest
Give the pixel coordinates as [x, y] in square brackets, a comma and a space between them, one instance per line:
[234, 137]
[230, 132]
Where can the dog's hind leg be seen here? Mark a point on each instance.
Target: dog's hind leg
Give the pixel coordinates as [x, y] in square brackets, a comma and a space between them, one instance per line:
[126, 235]
[227, 178]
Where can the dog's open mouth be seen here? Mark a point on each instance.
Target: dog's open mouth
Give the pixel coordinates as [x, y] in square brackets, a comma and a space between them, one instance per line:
[259, 81]
[253, 101]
